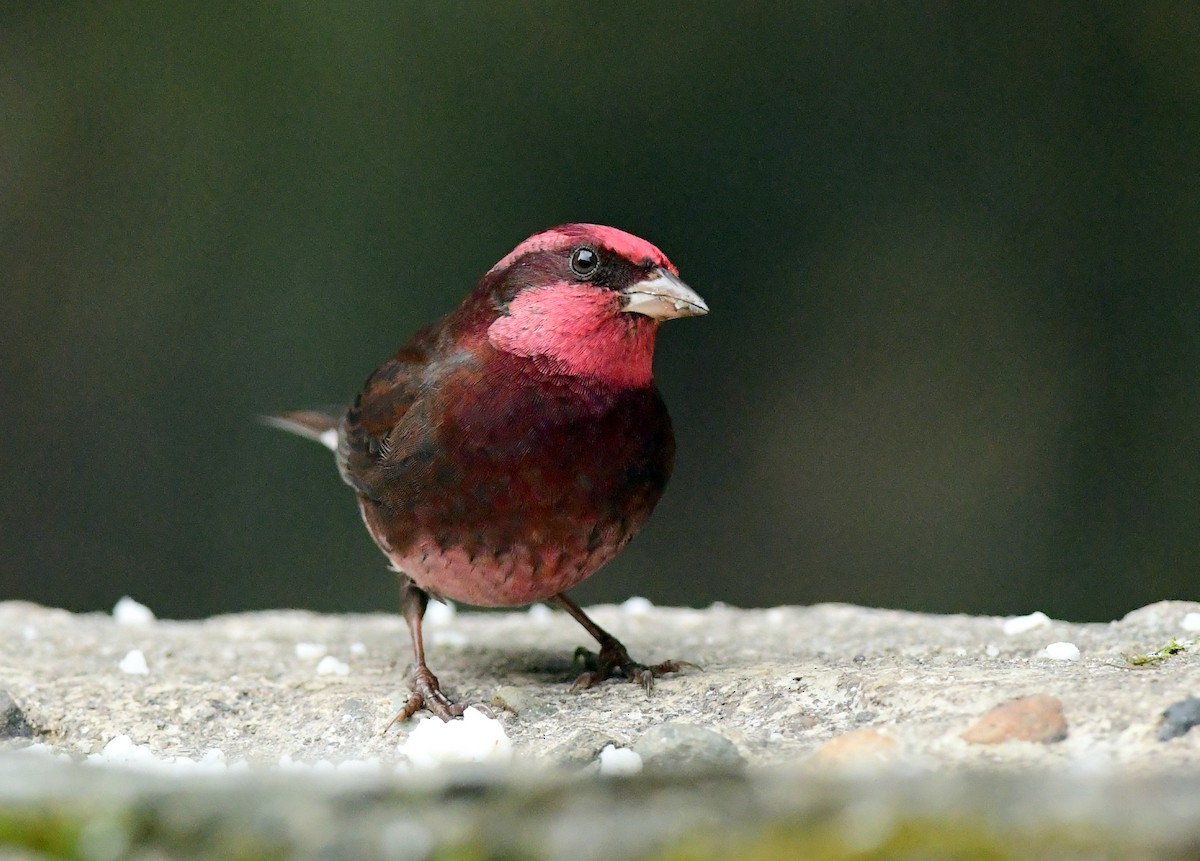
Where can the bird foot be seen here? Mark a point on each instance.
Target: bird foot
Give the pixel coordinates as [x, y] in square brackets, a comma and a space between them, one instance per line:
[426, 694]
[614, 659]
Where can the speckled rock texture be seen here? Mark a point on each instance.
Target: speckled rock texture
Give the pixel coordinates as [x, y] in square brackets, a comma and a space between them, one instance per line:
[776, 683]
[825, 732]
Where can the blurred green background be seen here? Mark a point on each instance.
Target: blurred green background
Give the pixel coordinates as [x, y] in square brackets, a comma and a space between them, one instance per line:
[951, 251]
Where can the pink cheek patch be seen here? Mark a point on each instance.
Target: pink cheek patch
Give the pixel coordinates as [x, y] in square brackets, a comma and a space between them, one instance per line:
[582, 330]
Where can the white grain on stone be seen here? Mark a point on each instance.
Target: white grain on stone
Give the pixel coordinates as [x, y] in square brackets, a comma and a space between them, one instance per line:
[1062, 652]
[1022, 624]
[134, 663]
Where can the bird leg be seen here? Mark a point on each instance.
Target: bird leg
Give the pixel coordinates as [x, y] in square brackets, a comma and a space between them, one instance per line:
[613, 658]
[426, 692]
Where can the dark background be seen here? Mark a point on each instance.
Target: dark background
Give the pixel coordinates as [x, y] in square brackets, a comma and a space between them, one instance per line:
[951, 251]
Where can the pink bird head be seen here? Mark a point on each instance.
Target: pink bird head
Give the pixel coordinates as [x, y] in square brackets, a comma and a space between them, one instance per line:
[586, 300]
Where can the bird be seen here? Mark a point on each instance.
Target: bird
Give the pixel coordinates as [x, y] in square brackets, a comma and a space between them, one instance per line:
[510, 450]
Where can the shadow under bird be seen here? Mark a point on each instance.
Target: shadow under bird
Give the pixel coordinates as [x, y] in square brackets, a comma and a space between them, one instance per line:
[510, 450]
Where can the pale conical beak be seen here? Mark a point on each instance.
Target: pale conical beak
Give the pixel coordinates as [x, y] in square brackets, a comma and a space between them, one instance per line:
[663, 296]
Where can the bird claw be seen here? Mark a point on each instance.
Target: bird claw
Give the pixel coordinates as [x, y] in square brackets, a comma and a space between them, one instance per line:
[614, 659]
[426, 694]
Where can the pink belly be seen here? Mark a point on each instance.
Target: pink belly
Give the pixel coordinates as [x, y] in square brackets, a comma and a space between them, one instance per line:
[522, 575]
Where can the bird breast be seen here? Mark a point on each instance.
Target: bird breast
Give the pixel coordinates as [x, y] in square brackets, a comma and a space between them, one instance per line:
[525, 495]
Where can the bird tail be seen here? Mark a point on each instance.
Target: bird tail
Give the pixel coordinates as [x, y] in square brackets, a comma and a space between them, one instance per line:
[318, 425]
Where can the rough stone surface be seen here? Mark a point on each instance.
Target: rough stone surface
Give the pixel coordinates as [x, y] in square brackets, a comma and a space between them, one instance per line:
[675, 745]
[1037, 718]
[777, 683]
[857, 747]
[881, 697]
[1179, 718]
[517, 700]
[12, 719]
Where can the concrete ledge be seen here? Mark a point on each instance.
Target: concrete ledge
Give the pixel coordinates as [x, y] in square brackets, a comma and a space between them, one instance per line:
[823, 732]
[778, 683]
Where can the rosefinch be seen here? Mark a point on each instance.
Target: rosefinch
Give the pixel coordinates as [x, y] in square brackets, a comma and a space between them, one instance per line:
[511, 449]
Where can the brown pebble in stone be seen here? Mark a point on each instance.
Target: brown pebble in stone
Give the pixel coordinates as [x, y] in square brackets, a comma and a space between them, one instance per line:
[860, 747]
[1036, 718]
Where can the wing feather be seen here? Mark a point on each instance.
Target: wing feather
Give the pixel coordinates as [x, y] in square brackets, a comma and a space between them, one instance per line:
[387, 436]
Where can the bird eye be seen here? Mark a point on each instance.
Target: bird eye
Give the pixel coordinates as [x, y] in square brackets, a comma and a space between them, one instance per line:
[584, 261]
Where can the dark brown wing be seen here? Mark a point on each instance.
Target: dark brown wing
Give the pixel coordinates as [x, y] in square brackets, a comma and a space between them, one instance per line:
[388, 428]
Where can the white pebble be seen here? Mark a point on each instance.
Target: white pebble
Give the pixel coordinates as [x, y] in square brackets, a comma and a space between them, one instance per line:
[1062, 652]
[121, 751]
[331, 666]
[637, 606]
[992, 651]
[439, 613]
[358, 649]
[129, 612]
[475, 738]
[310, 651]
[1021, 624]
[540, 614]
[619, 760]
[1191, 622]
[134, 663]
